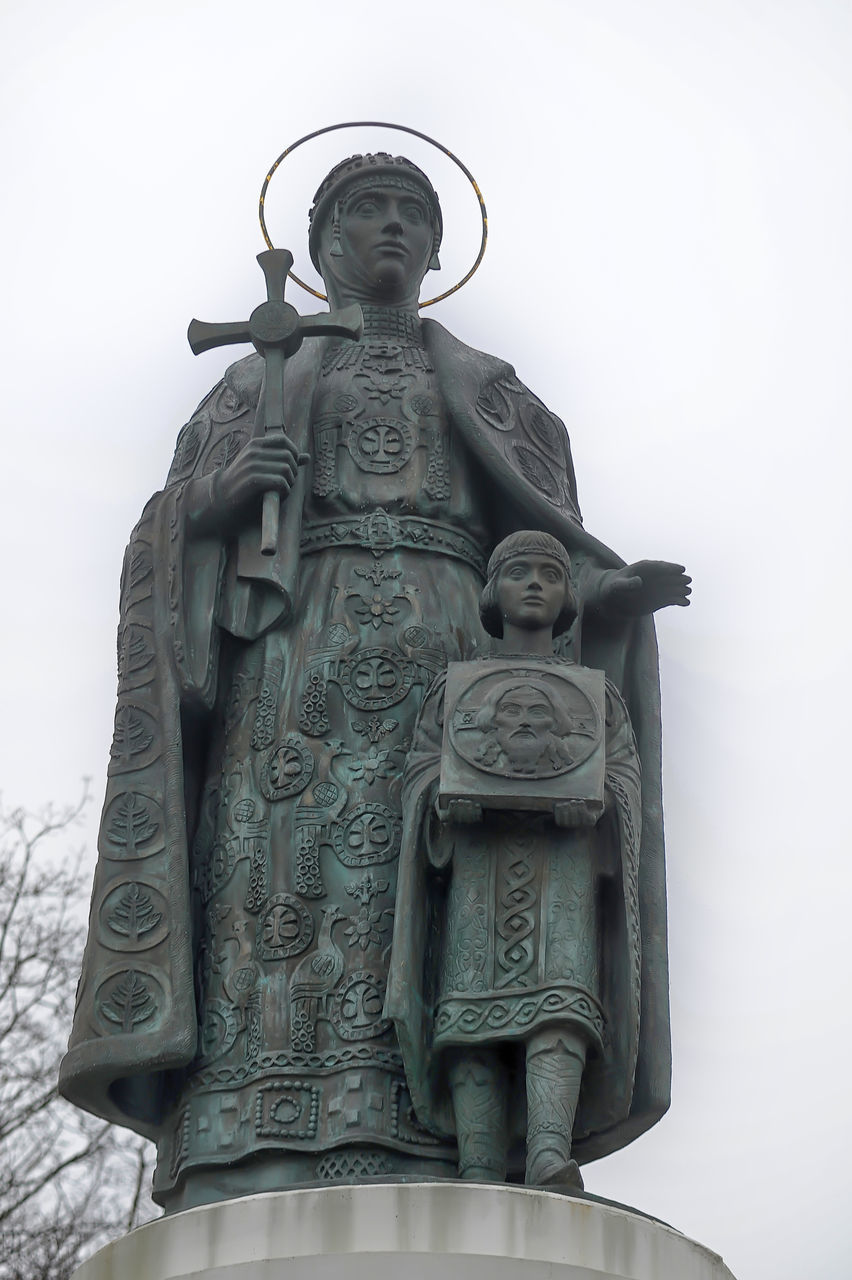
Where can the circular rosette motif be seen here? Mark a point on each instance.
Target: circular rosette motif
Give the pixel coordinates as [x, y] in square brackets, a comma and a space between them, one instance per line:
[287, 768]
[358, 1007]
[285, 928]
[375, 679]
[381, 446]
[370, 833]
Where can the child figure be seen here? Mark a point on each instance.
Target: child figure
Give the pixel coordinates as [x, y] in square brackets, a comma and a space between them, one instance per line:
[515, 971]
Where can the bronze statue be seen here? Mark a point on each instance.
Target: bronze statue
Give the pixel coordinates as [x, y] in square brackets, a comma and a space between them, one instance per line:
[515, 969]
[232, 1004]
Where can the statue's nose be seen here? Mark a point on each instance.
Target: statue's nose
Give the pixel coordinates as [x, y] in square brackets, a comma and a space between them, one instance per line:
[394, 228]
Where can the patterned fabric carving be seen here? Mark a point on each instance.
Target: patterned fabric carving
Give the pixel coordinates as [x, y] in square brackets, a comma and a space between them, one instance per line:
[537, 470]
[249, 650]
[515, 927]
[437, 483]
[516, 909]
[267, 705]
[308, 876]
[314, 717]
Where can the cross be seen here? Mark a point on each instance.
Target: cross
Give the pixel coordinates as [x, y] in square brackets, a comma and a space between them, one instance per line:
[277, 331]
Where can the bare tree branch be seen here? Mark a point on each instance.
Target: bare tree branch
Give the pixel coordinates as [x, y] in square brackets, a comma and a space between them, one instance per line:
[68, 1182]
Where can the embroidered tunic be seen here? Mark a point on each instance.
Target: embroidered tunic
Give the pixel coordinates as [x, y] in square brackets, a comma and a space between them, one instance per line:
[294, 861]
[231, 1002]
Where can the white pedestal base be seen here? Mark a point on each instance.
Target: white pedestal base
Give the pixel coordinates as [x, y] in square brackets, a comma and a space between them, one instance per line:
[427, 1231]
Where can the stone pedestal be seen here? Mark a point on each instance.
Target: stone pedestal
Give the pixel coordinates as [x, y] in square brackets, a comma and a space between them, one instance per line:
[425, 1231]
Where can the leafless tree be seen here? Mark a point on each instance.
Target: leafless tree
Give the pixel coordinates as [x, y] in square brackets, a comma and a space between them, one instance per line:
[68, 1182]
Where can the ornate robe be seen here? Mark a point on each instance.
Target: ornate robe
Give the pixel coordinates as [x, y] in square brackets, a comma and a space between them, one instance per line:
[232, 998]
[525, 926]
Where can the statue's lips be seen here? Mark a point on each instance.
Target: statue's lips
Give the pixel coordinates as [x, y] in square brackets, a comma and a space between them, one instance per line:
[392, 246]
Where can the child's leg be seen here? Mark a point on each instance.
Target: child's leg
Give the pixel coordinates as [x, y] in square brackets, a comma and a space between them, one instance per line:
[479, 1087]
[555, 1061]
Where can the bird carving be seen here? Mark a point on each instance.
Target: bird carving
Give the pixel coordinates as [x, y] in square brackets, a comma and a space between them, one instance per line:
[326, 798]
[314, 978]
[243, 972]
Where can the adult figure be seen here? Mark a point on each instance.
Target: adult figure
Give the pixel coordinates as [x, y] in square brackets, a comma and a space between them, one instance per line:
[519, 931]
[521, 728]
[231, 1001]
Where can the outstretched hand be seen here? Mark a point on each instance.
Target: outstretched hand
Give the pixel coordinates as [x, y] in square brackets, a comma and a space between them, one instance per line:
[645, 587]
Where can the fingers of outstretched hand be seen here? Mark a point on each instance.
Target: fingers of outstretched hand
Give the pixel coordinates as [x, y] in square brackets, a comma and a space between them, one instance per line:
[624, 586]
[662, 583]
[656, 568]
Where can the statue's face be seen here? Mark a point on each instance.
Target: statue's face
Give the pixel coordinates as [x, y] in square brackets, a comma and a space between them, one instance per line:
[522, 721]
[531, 591]
[386, 236]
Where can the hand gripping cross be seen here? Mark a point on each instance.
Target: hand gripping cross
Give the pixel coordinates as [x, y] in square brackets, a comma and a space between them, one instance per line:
[277, 331]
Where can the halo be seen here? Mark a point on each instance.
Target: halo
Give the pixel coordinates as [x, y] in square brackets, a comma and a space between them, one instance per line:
[401, 128]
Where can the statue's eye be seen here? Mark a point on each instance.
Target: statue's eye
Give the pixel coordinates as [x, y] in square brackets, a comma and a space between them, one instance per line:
[366, 208]
[510, 709]
[414, 213]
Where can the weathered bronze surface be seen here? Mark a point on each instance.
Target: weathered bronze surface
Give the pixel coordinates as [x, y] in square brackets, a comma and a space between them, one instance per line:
[234, 999]
[515, 966]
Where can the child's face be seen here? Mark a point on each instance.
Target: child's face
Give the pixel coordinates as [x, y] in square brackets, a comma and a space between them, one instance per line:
[531, 591]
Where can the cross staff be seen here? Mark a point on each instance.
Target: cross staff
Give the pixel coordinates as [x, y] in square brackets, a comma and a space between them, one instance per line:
[277, 331]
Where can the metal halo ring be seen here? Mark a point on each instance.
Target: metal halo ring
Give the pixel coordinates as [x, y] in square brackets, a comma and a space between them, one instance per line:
[401, 128]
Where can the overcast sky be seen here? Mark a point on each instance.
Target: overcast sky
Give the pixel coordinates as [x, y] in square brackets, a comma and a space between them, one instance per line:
[669, 185]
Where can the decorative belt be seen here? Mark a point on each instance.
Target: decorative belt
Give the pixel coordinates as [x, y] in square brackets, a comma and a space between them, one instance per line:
[379, 532]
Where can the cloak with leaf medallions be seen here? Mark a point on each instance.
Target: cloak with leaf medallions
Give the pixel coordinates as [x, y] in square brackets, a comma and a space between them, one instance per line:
[136, 1030]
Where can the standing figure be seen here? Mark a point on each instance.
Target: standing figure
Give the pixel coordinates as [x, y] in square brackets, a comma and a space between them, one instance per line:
[232, 999]
[517, 998]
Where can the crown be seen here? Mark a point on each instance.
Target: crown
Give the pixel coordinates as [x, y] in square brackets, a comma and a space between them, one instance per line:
[381, 169]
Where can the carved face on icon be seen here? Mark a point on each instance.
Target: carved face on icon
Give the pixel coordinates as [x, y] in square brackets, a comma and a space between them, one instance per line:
[523, 721]
[523, 731]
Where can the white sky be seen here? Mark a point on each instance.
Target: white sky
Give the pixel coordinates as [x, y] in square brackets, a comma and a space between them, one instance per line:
[669, 186]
